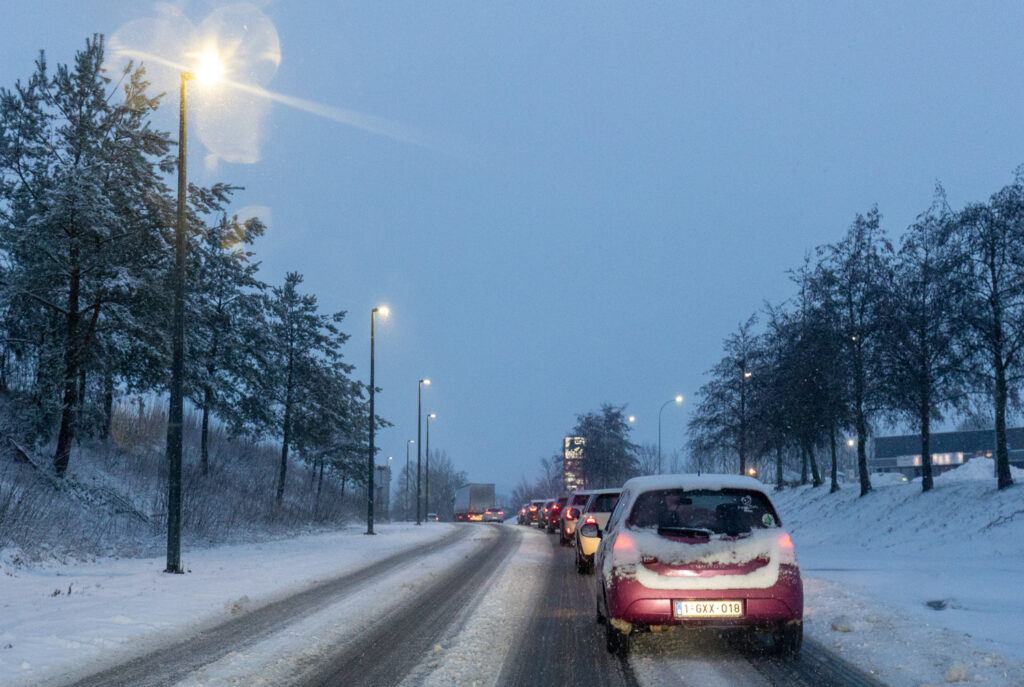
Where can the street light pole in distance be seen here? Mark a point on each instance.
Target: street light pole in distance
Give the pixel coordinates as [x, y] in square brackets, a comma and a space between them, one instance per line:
[407, 478]
[678, 400]
[384, 312]
[419, 439]
[426, 490]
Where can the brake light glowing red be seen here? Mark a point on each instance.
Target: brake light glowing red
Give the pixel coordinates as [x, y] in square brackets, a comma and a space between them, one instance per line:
[568, 514]
[624, 543]
[533, 509]
[787, 555]
[591, 520]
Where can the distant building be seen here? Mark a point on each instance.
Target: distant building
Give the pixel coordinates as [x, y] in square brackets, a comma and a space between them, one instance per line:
[949, 450]
[573, 451]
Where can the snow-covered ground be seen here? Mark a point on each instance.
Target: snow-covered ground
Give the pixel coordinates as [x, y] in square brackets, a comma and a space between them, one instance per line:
[86, 616]
[917, 588]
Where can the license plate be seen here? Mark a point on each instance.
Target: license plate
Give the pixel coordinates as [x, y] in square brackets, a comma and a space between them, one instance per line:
[708, 609]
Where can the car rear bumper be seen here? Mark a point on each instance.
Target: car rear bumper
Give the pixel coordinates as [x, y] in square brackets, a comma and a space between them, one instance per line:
[630, 601]
[588, 545]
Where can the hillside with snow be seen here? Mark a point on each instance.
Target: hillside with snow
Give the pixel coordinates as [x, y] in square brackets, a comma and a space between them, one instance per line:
[918, 587]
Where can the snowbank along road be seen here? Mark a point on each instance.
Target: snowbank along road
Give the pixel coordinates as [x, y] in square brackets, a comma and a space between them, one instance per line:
[486, 605]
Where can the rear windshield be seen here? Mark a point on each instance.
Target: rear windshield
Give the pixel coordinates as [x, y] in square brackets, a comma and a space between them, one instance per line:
[580, 499]
[603, 503]
[719, 511]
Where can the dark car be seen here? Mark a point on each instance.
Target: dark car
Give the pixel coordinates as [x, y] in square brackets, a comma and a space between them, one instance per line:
[523, 514]
[698, 551]
[542, 514]
[534, 511]
[555, 516]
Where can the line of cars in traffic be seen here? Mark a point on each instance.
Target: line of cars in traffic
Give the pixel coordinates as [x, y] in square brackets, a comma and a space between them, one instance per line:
[699, 551]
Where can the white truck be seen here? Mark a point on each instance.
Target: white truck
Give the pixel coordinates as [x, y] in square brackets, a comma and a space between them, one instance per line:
[472, 500]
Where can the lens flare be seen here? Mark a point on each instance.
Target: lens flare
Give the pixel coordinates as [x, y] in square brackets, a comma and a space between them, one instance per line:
[234, 53]
[210, 69]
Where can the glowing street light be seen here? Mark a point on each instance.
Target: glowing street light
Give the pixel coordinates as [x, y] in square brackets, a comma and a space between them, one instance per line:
[210, 70]
[384, 312]
[678, 400]
[632, 418]
[752, 472]
[419, 437]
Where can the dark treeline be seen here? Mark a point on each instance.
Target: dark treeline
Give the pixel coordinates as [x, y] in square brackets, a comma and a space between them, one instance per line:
[86, 253]
[877, 331]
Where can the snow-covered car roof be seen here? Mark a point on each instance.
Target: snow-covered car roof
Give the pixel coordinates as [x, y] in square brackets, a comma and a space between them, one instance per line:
[693, 481]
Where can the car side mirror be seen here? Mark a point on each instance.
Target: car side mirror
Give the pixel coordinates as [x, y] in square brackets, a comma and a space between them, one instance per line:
[590, 530]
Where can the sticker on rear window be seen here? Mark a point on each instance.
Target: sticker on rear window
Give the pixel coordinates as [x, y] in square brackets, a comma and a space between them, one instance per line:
[767, 520]
[747, 504]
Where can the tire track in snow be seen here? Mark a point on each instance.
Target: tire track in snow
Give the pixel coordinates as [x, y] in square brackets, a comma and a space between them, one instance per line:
[176, 661]
[398, 642]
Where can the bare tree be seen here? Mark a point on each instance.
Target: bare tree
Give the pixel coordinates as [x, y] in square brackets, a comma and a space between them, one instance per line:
[990, 244]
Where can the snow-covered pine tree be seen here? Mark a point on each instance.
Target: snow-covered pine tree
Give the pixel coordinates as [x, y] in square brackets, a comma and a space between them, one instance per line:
[305, 393]
[223, 306]
[83, 206]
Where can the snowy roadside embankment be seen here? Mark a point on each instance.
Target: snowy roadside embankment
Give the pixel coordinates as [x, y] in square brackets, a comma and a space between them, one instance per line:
[85, 616]
[918, 588]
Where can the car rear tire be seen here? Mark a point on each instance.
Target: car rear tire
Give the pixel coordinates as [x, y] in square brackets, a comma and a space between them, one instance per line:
[787, 640]
[583, 566]
[616, 642]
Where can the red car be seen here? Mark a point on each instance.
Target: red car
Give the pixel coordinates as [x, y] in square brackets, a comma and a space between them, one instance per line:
[698, 551]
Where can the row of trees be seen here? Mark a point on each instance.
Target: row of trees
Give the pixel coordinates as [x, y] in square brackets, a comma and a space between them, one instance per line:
[877, 332]
[86, 254]
[444, 480]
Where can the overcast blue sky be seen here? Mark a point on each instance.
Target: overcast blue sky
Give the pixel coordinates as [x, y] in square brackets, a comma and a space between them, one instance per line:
[578, 201]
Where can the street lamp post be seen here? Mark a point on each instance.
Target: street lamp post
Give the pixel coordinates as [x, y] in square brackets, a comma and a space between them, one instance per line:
[208, 71]
[407, 477]
[388, 493]
[678, 399]
[419, 438]
[175, 412]
[426, 490]
[383, 310]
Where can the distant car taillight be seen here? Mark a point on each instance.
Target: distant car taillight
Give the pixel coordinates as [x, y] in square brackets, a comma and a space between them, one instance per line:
[533, 509]
[591, 520]
[568, 514]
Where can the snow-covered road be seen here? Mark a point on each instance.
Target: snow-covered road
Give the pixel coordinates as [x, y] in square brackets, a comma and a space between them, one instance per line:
[503, 604]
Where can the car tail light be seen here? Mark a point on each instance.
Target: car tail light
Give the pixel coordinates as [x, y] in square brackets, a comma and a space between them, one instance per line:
[533, 509]
[624, 544]
[648, 560]
[591, 520]
[787, 554]
[569, 514]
